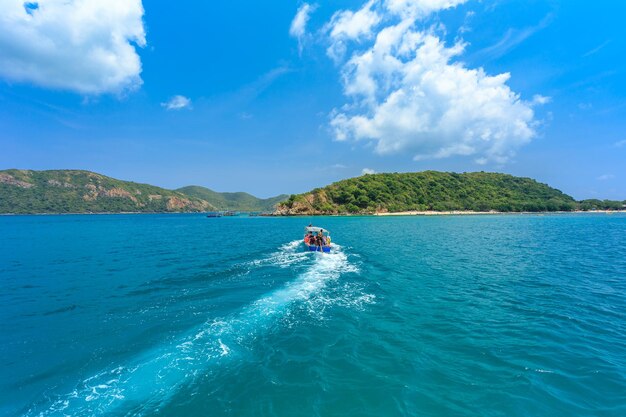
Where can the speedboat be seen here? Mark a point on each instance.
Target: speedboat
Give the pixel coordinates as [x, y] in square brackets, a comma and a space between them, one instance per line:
[310, 239]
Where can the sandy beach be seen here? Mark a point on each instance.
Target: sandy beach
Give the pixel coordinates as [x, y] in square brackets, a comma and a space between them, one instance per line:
[467, 212]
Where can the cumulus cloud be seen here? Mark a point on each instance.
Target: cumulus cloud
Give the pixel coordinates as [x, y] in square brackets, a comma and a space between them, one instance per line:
[346, 25]
[177, 103]
[408, 93]
[419, 8]
[299, 22]
[86, 46]
[367, 171]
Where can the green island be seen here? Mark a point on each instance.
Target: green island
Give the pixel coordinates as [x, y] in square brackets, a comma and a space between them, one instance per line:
[76, 191]
[438, 192]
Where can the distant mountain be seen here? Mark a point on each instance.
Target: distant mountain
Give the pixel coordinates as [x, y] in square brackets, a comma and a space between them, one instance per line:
[429, 190]
[233, 201]
[72, 191]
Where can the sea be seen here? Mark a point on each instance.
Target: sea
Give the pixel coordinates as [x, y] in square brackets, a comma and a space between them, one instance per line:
[183, 315]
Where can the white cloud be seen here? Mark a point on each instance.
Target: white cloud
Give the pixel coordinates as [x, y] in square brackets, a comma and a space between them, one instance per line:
[511, 39]
[367, 171]
[408, 94]
[620, 143]
[419, 8]
[596, 49]
[177, 103]
[538, 99]
[605, 177]
[86, 46]
[299, 22]
[346, 25]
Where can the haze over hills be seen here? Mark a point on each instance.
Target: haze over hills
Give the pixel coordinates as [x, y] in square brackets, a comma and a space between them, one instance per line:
[437, 191]
[238, 201]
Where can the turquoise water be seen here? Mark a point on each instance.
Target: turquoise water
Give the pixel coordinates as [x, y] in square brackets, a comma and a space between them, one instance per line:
[180, 315]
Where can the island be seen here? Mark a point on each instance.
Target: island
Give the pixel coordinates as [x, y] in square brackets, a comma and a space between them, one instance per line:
[78, 191]
[427, 192]
[431, 192]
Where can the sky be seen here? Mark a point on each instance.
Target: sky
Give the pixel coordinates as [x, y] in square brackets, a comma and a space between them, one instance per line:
[284, 96]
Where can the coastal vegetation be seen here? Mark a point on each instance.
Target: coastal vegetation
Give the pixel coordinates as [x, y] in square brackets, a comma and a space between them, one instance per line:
[595, 204]
[430, 190]
[239, 201]
[74, 191]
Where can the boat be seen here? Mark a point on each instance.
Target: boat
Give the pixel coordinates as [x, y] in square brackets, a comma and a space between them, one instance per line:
[314, 247]
[214, 214]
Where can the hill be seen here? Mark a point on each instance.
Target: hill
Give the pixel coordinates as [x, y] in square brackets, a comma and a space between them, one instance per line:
[73, 191]
[232, 201]
[429, 190]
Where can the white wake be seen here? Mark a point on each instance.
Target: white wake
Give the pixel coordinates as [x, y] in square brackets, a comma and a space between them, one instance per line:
[152, 378]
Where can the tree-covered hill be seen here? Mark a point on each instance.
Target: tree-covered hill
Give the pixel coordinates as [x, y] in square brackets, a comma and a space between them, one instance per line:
[233, 201]
[429, 190]
[73, 191]
[595, 204]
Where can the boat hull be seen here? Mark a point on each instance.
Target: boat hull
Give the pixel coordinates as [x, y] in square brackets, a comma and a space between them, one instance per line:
[313, 248]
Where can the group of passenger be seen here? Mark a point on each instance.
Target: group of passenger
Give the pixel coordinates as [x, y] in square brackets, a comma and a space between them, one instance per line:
[317, 240]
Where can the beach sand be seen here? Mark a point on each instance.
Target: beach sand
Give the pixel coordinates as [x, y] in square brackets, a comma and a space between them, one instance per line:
[467, 212]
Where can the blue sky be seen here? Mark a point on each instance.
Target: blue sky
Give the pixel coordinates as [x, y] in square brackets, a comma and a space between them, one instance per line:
[236, 96]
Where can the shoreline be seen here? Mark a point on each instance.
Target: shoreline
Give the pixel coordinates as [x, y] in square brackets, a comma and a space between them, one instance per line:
[104, 213]
[453, 213]
[386, 214]
[486, 213]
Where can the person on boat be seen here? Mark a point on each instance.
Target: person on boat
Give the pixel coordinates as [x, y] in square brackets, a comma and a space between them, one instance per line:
[321, 241]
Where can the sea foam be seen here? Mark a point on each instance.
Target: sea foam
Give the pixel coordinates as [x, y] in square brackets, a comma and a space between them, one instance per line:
[152, 378]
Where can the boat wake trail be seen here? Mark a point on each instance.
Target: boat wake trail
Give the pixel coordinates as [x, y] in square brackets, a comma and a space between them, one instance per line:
[151, 379]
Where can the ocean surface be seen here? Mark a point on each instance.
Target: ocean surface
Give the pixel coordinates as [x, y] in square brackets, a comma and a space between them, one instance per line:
[182, 315]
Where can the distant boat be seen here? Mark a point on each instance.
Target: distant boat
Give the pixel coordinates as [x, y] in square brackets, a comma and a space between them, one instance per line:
[310, 232]
[230, 213]
[214, 214]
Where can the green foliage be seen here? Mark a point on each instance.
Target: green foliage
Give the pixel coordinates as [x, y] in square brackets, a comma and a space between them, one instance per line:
[233, 201]
[72, 191]
[439, 191]
[595, 204]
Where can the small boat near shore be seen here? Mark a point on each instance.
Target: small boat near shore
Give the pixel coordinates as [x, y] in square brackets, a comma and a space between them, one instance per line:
[311, 241]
